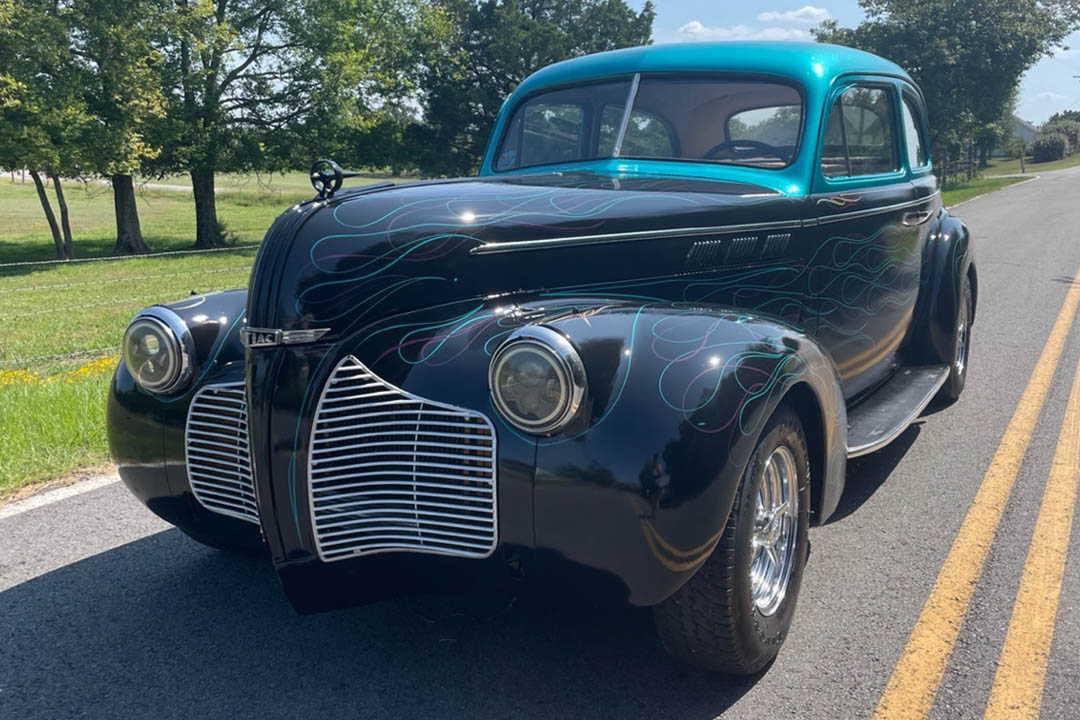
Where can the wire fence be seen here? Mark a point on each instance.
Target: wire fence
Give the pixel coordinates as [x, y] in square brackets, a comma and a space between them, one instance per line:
[59, 357]
[126, 278]
[122, 258]
[25, 294]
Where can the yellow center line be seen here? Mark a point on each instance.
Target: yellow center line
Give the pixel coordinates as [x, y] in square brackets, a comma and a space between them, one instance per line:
[915, 679]
[1021, 672]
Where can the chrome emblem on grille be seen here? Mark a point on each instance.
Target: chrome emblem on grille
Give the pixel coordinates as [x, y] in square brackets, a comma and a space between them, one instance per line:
[266, 337]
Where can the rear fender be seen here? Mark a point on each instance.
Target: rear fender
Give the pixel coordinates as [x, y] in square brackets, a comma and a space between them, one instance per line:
[948, 258]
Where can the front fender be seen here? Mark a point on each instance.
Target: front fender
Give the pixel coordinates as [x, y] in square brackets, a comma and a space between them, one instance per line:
[146, 430]
[678, 398]
[948, 258]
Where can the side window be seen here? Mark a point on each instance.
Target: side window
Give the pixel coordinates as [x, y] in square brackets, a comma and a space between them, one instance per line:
[834, 162]
[862, 123]
[916, 147]
[552, 133]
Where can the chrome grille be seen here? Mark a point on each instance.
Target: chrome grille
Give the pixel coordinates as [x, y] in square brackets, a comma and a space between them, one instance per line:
[392, 471]
[218, 460]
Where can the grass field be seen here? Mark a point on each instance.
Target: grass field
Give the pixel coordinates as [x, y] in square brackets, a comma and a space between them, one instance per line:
[1008, 166]
[61, 324]
[978, 186]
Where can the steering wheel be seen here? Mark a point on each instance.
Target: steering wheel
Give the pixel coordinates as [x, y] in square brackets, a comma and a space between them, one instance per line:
[734, 146]
[326, 177]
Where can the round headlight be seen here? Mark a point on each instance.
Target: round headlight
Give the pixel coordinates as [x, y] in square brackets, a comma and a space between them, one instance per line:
[537, 380]
[154, 353]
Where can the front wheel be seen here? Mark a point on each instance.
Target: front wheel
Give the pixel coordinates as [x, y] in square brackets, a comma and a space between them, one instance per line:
[733, 615]
[954, 384]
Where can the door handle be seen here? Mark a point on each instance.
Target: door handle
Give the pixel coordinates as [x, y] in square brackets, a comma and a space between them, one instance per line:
[918, 217]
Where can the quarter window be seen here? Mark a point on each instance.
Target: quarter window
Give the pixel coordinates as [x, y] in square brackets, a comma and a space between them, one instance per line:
[860, 134]
[916, 148]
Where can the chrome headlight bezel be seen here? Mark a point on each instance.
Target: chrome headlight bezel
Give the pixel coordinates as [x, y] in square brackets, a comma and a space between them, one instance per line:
[178, 342]
[557, 349]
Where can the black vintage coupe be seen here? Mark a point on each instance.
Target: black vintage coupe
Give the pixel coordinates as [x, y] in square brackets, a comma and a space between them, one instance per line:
[634, 353]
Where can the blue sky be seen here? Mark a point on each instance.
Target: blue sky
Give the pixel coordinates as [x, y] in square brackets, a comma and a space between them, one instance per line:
[1047, 88]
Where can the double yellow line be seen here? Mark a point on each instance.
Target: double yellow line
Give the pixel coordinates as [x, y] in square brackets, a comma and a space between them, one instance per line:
[1017, 688]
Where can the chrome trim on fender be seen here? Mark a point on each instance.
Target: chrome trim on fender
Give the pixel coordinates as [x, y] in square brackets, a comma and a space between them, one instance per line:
[854, 214]
[578, 240]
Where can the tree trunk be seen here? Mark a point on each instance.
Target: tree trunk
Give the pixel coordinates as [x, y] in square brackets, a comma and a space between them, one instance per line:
[129, 239]
[44, 198]
[208, 232]
[65, 221]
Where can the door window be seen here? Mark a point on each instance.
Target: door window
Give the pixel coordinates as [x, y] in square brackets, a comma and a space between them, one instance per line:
[860, 134]
[916, 148]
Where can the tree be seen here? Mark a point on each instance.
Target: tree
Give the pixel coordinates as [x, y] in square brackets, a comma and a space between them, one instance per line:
[1073, 115]
[41, 109]
[1069, 128]
[492, 47]
[121, 78]
[1049, 146]
[244, 79]
[967, 55]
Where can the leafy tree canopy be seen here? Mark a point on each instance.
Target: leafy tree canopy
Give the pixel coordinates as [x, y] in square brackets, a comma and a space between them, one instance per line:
[967, 55]
[490, 47]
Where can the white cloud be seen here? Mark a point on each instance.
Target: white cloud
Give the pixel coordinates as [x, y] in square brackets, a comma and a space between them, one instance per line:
[695, 30]
[805, 14]
[1050, 96]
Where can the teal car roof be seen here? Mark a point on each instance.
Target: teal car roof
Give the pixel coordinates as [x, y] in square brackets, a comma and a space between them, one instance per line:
[812, 66]
[808, 62]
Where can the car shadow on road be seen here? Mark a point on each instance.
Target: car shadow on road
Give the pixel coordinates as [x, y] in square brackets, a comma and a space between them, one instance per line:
[163, 628]
[868, 473]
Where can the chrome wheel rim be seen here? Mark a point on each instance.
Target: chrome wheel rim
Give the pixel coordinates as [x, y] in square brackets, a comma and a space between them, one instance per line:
[963, 330]
[775, 531]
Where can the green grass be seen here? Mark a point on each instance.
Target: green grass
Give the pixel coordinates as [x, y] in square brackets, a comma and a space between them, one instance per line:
[1008, 166]
[979, 186]
[52, 420]
[52, 425]
[52, 409]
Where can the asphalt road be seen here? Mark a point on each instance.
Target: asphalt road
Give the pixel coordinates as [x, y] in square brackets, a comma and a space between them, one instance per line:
[107, 612]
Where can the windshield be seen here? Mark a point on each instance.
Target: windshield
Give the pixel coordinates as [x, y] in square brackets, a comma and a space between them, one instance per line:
[734, 122]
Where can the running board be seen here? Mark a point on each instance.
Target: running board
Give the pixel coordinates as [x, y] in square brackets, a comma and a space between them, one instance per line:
[878, 420]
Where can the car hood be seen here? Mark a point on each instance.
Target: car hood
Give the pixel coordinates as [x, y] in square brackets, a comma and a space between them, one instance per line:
[370, 253]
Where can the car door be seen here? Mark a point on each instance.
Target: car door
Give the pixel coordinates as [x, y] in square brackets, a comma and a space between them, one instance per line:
[868, 216]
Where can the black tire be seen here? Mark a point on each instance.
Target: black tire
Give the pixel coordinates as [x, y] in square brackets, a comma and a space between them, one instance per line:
[961, 347]
[713, 621]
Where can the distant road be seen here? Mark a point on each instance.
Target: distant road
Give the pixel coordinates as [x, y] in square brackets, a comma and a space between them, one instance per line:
[107, 612]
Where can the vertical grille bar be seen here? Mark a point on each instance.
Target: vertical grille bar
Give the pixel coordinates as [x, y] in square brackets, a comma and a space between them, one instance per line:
[218, 456]
[390, 471]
